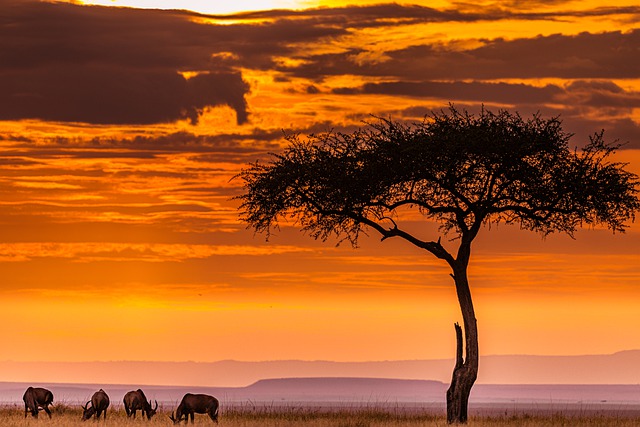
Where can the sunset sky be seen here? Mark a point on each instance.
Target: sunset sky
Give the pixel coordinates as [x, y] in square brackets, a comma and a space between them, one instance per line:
[122, 124]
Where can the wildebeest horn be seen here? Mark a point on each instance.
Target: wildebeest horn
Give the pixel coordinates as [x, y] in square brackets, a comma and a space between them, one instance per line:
[156, 408]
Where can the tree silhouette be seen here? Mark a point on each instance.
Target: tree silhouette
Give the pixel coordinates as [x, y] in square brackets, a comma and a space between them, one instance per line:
[462, 171]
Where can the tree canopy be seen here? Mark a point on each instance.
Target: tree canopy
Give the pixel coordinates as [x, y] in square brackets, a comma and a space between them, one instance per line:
[458, 169]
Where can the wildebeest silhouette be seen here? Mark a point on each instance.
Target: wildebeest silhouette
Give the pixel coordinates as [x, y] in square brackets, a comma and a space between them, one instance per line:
[135, 401]
[99, 403]
[196, 404]
[36, 397]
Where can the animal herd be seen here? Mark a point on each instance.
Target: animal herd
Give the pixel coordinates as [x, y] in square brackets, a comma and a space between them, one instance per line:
[36, 398]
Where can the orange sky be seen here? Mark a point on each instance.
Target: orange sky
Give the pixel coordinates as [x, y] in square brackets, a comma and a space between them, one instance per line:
[121, 128]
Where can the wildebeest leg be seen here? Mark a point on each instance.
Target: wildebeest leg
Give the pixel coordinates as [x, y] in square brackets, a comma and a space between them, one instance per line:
[193, 415]
[46, 409]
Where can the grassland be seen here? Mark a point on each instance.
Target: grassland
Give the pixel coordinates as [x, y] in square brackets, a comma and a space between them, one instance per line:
[305, 417]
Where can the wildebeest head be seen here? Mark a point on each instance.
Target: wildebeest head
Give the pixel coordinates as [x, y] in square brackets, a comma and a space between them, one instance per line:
[151, 411]
[177, 419]
[87, 411]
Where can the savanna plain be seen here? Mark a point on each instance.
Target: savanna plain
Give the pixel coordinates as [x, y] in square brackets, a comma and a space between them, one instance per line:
[311, 417]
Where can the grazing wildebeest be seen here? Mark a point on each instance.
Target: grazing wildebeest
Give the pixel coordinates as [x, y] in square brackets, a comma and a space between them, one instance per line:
[196, 404]
[135, 401]
[99, 403]
[36, 397]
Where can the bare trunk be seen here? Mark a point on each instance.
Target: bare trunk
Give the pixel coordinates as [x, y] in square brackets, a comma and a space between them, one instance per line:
[465, 371]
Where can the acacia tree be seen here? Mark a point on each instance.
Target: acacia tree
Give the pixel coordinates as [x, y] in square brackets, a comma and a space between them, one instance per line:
[462, 171]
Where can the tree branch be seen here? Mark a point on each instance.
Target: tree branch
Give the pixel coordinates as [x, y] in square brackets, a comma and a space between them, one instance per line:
[410, 201]
[434, 247]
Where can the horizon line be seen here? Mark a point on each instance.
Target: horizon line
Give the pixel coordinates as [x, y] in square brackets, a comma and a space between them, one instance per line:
[318, 360]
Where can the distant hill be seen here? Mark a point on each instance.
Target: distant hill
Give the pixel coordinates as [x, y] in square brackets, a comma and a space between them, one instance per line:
[618, 368]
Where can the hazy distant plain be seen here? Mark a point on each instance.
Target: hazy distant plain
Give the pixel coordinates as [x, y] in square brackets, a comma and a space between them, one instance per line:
[408, 398]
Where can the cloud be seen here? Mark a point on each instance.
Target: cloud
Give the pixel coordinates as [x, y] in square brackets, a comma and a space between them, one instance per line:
[595, 94]
[227, 147]
[146, 252]
[601, 94]
[112, 95]
[46, 185]
[71, 63]
[383, 14]
[359, 16]
[467, 91]
[582, 56]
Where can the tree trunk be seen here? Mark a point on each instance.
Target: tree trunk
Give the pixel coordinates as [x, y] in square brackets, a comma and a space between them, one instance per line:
[465, 371]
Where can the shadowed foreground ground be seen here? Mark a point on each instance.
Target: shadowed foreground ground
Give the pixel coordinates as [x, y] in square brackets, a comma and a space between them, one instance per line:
[265, 416]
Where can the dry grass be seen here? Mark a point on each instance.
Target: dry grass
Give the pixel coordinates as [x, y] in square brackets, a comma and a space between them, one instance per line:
[306, 417]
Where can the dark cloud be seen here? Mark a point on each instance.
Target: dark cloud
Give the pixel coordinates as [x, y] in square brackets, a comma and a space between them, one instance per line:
[466, 91]
[582, 56]
[520, 4]
[601, 94]
[392, 13]
[361, 16]
[228, 147]
[65, 62]
[113, 95]
[530, 9]
[596, 94]
[586, 55]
